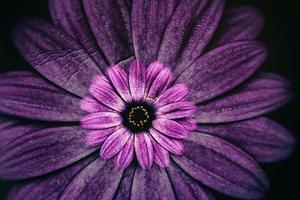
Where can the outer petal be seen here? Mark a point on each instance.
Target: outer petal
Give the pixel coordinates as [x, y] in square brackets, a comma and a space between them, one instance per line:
[188, 32]
[99, 180]
[149, 20]
[124, 189]
[260, 95]
[184, 186]
[222, 166]
[25, 94]
[151, 184]
[110, 23]
[175, 93]
[222, 69]
[240, 23]
[264, 139]
[50, 187]
[176, 110]
[28, 151]
[170, 128]
[55, 55]
[97, 137]
[91, 105]
[143, 150]
[101, 120]
[188, 123]
[70, 16]
[137, 80]
[126, 154]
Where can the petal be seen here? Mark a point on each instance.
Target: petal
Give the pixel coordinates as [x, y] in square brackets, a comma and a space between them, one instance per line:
[110, 23]
[149, 20]
[91, 105]
[119, 79]
[25, 94]
[70, 16]
[188, 123]
[161, 155]
[264, 139]
[184, 186]
[175, 93]
[151, 184]
[49, 187]
[170, 128]
[188, 32]
[104, 93]
[172, 145]
[97, 137]
[137, 80]
[55, 55]
[31, 150]
[114, 143]
[239, 23]
[143, 150]
[124, 189]
[101, 120]
[126, 154]
[222, 166]
[176, 110]
[222, 69]
[152, 71]
[258, 96]
[160, 83]
[100, 179]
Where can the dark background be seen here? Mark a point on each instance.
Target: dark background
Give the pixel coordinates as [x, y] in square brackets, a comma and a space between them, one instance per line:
[281, 35]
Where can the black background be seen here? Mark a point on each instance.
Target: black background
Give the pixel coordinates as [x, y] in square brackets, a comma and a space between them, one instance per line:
[281, 35]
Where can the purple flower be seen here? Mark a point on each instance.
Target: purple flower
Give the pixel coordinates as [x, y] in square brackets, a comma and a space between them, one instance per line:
[165, 91]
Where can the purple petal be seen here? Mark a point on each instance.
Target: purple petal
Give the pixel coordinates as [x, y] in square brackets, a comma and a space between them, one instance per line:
[151, 184]
[124, 189]
[160, 83]
[100, 179]
[55, 55]
[149, 20]
[110, 23]
[222, 166]
[97, 137]
[176, 110]
[91, 105]
[126, 154]
[185, 187]
[137, 80]
[172, 145]
[143, 150]
[258, 96]
[188, 123]
[119, 79]
[101, 120]
[188, 32]
[175, 93]
[70, 16]
[114, 143]
[152, 71]
[28, 151]
[264, 139]
[222, 69]
[104, 93]
[161, 155]
[240, 23]
[25, 94]
[50, 187]
[170, 128]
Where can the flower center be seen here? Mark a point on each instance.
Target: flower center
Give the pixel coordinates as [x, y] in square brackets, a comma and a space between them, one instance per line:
[138, 116]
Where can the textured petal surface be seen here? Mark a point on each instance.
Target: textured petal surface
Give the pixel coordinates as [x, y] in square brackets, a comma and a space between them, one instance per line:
[143, 150]
[188, 32]
[161, 155]
[25, 94]
[264, 93]
[264, 139]
[170, 128]
[151, 184]
[97, 137]
[91, 105]
[126, 154]
[99, 180]
[28, 150]
[70, 16]
[124, 189]
[239, 23]
[55, 55]
[176, 110]
[137, 80]
[222, 166]
[101, 120]
[222, 69]
[184, 186]
[110, 23]
[175, 93]
[149, 20]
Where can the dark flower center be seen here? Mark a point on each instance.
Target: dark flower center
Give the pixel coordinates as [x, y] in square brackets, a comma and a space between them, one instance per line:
[138, 116]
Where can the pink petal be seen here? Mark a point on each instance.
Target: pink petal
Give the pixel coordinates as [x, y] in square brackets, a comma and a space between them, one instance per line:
[114, 143]
[175, 93]
[176, 110]
[170, 128]
[101, 120]
[144, 150]
[137, 80]
[152, 72]
[91, 105]
[188, 123]
[119, 79]
[95, 138]
[161, 155]
[170, 144]
[126, 154]
[103, 92]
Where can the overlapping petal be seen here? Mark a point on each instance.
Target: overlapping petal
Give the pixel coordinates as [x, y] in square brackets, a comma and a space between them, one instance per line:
[143, 150]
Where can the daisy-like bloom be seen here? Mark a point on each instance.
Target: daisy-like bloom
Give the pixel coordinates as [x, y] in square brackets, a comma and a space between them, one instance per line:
[136, 99]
